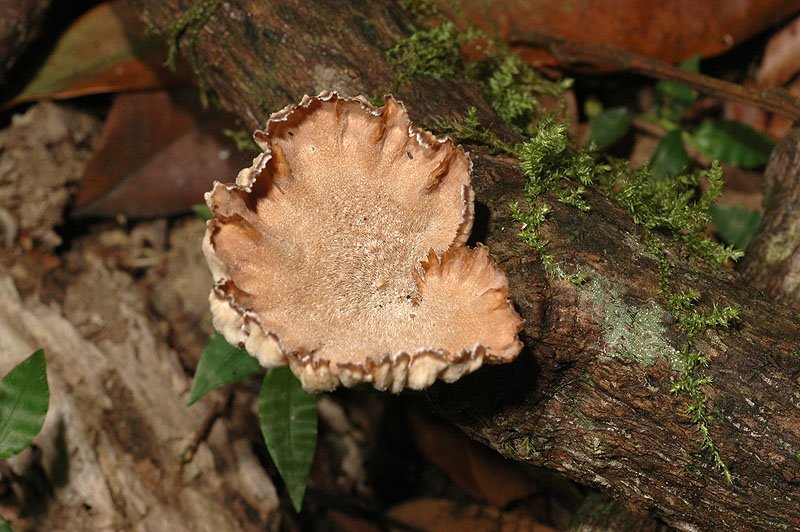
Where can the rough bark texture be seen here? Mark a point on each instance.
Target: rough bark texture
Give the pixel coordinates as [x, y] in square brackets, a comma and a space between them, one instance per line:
[598, 513]
[580, 400]
[773, 259]
[19, 25]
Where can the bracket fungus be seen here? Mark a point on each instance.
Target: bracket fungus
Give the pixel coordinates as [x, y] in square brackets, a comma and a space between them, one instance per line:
[342, 252]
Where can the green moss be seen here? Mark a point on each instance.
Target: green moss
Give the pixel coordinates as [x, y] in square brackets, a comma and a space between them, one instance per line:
[242, 139]
[420, 10]
[434, 52]
[470, 129]
[669, 206]
[189, 25]
[588, 424]
[511, 86]
[683, 304]
[552, 164]
[522, 447]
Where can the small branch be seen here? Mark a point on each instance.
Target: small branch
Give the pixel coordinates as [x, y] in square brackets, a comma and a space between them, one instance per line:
[200, 435]
[573, 53]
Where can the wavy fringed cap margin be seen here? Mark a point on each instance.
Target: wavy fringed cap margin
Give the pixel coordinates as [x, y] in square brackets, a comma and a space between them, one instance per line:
[341, 252]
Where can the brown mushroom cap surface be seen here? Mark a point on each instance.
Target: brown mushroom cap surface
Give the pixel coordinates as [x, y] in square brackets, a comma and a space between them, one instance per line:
[341, 252]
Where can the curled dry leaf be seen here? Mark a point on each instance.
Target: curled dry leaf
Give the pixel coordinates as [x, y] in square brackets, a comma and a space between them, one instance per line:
[341, 252]
[484, 474]
[106, 50]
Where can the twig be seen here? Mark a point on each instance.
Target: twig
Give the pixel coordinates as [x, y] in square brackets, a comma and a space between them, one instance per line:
[203, 430]
[573, 53]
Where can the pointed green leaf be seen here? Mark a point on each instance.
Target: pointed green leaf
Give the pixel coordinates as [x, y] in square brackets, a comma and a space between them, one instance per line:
[24, 399]
[670, 157]
[288, 418]
[221, 363]
[608, 127]
[732, 142]
[677, 98]
[736, 225]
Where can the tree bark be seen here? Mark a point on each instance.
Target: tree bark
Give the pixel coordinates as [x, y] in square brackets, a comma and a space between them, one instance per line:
[21, 23]
[773, 259]
[579, 400]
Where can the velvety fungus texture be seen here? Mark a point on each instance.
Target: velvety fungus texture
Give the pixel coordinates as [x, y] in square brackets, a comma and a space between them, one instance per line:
[341, 252]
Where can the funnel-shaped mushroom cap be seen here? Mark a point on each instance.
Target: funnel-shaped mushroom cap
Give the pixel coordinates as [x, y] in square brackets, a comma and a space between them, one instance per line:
[341, 252]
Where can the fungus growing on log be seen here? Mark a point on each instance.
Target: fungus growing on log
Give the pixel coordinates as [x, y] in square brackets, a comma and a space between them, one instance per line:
[342, 252]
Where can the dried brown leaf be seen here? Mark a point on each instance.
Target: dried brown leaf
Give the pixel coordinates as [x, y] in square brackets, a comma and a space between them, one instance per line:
[480, 471]
[105, 50]
[158, 154]
[686, 28]
[440, 515]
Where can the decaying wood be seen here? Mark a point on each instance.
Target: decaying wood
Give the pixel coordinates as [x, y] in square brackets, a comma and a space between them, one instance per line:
[120, 449]
[579, 400]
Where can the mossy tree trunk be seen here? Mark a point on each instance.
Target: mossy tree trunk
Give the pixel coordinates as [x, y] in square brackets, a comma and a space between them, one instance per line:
[591, 395]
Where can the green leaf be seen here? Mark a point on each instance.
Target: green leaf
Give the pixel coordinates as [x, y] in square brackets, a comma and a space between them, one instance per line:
[4, 526]
[732, 142]
[202, 210]
[608, 127]
[24, 399]
[676, 97]
[221, 363]
[670, 158]
[736, 225]
[288, 418]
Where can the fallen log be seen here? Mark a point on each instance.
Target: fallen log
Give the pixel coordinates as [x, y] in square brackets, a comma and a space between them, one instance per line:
[591, 396]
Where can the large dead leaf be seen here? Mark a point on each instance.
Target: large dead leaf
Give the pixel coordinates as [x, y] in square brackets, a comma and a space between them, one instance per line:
[105, 50]
[440, 515]
[483, 473]
[159, 153]
[671, 32]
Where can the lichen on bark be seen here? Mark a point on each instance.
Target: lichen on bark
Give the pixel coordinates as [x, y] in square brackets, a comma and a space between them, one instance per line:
[632, 332]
